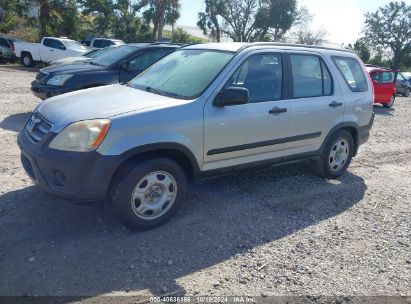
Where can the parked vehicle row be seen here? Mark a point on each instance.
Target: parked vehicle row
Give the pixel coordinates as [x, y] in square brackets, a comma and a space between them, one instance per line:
[201, 110]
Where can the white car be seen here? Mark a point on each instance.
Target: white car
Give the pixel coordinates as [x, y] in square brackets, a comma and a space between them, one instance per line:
[49, 49]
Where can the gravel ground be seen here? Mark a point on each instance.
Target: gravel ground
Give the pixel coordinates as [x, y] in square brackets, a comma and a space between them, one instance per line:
[279, 231]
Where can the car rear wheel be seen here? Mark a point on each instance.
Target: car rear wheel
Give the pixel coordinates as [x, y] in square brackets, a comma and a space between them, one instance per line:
[149, 193]
[390, 103]
[407, 92]
[336, 155]
[27, 60]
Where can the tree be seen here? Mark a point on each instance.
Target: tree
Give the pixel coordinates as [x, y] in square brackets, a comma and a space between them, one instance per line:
[208, 20]
[304, 35]
[127, 25]
[159, 12]
[275, 17]
[361, 48]
[248, 20]
[390, 27]
[102, 12]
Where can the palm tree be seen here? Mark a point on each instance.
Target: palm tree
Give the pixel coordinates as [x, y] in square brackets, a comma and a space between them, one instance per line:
[160, 12]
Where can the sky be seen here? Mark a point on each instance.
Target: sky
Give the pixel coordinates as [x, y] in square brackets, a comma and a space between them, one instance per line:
[342, 19]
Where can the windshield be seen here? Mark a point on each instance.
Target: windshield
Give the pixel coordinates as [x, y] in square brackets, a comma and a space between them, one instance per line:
[183, 74]
[74, 45]
[97, 52]
[108, 58]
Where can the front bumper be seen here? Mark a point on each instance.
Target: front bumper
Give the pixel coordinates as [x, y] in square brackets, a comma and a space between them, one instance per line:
[76, 176]
[43, 90]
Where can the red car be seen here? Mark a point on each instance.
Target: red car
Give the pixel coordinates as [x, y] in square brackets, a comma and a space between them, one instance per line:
[384, 82]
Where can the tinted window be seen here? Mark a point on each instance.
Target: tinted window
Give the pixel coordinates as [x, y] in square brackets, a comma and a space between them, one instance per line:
[184, 73]
[262, 75]
[352, 72]
[55, 44]
[311, 77]
[144, 60]
[97, 43]
[105, 43]
[110, 57]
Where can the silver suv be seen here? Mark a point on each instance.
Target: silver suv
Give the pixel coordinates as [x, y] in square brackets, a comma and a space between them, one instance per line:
[205, 109]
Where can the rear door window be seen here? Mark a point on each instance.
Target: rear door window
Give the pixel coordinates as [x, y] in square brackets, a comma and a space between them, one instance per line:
[311, 77]
[352, 73]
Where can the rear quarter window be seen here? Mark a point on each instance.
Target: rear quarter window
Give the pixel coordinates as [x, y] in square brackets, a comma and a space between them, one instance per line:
[352, 73]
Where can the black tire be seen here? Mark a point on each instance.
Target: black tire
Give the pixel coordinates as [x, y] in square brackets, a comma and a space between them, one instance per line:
[27, 60]
[323, 166]
[124, 184]
[390, 104]
[407, 92]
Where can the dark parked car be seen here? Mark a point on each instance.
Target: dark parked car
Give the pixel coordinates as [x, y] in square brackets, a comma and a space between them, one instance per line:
[403, 85]
[7, 49]
[119, 65]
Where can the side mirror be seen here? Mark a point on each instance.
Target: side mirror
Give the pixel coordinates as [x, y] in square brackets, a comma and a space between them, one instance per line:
[232, 96]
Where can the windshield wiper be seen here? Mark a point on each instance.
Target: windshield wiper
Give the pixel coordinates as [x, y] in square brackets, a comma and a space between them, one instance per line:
[155, 91]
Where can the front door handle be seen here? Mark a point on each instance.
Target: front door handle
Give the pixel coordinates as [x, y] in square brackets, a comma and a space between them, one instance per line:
[335, 104]
[277, 110]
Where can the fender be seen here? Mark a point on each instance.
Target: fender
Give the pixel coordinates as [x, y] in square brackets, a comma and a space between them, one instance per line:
[341, 126]
[165, 146]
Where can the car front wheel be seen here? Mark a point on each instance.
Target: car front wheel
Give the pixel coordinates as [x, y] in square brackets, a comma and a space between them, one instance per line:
[407, 92]
[149, 194]
[336, 155]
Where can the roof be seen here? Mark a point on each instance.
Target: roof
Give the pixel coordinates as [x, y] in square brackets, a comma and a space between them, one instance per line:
[229, 46]
[239, 46]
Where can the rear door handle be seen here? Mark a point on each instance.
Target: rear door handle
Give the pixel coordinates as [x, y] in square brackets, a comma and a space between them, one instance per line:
[335, 104]
[277, 110]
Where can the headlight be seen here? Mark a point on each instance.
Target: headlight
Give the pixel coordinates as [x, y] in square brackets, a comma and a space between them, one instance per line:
[59, 80]
[81, 136]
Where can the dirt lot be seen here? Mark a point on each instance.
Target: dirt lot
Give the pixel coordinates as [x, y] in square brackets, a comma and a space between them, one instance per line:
[280, 231]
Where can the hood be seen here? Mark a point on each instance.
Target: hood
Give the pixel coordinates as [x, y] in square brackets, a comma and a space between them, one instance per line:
[69, 60]
[101, 102]
[79, 67]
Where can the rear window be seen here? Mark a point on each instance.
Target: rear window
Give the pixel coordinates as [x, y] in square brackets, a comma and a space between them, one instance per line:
[352, 73]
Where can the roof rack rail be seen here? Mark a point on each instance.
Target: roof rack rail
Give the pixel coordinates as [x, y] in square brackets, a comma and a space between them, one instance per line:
[251, 44]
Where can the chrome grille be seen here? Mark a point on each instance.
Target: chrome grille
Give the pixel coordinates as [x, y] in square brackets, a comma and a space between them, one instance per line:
[40, 77]
[37, 127]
